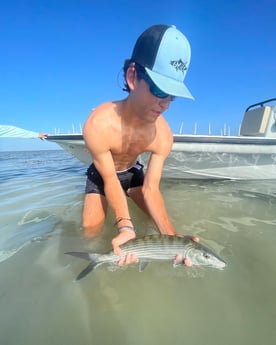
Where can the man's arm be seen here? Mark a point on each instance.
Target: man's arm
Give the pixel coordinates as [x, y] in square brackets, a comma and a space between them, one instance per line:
[155, 203]
[97, 139]
[153, 197]
[7, 131]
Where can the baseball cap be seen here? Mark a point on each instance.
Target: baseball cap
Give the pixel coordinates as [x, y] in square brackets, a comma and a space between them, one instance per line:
[165, 54]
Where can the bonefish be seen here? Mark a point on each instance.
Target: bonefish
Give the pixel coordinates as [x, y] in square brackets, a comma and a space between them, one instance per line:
[155, 247]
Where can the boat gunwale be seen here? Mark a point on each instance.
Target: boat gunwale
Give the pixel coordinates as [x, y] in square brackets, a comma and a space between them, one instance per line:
[186, 138]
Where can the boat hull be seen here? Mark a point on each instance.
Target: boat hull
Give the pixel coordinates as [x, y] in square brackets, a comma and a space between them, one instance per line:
[202, 157]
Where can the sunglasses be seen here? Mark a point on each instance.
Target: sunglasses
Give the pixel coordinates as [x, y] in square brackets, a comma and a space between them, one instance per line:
[154, 90]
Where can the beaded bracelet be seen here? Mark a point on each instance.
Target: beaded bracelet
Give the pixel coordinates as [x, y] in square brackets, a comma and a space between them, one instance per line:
[118, 220]
[126, 227]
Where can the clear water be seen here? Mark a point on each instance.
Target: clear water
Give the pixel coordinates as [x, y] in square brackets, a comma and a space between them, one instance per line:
[41, 303]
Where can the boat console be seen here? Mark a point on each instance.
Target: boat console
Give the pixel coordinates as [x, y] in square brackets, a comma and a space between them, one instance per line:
[260, 120]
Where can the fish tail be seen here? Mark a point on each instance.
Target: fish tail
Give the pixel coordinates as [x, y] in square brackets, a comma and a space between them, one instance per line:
[94, 262]
[87, 270]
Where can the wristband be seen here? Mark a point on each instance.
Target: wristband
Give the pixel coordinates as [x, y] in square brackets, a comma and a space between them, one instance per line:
[126, 227]
[118, 220]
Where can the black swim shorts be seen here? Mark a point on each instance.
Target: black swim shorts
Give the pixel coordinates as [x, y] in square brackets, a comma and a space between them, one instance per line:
[132, 177]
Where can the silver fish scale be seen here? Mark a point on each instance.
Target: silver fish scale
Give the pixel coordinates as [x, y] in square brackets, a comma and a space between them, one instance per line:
[158, 247]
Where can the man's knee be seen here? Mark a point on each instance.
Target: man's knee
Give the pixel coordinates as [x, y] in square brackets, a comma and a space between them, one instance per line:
[93, 214]
[91, 229]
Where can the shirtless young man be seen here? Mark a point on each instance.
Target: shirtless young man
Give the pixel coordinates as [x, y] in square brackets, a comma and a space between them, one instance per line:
[116, 133]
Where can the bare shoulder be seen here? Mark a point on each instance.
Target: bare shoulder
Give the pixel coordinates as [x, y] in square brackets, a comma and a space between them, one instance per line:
[99, 117]
[96, 130]
[164, 136]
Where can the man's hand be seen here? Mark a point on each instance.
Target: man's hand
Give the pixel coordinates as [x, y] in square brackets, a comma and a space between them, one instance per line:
[123, 237]
[42, 135]
[179, 258]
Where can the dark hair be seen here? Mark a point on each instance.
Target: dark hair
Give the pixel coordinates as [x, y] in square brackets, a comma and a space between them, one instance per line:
[139, 70]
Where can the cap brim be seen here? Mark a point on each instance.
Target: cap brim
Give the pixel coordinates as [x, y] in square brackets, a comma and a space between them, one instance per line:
[168, 85]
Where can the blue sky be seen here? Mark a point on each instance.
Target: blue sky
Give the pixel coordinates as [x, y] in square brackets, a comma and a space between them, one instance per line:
[61, 58]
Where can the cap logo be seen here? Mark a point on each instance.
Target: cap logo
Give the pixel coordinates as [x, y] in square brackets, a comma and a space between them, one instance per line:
[179, 65]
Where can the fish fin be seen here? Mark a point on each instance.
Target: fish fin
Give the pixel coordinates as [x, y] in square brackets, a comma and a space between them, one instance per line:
[176, 264]
[178, 261]
[143, 265]
[87, 270]
[81, 255]
[89, 257]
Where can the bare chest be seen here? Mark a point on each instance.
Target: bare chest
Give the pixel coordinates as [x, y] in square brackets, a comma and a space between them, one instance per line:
[126, 147]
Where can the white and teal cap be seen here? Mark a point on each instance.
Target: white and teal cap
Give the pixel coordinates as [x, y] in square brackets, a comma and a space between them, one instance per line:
[165, 54]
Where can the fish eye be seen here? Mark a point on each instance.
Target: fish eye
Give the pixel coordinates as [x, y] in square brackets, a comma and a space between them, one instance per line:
[206, 256]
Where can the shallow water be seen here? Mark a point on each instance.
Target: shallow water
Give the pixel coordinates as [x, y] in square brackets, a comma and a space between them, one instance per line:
[41, 303]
